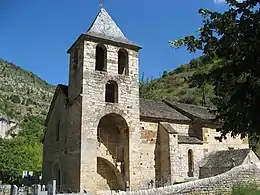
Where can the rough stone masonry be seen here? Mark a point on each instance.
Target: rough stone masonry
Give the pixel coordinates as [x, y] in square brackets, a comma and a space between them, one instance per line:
[101, 136]
[242, 175]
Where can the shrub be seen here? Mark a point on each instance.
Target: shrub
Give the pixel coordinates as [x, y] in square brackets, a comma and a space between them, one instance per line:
[15, 99]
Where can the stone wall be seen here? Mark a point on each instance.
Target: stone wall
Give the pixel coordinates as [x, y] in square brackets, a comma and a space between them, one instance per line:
[94, 108]
[148, 156]
[55, 140]
[158, 147]
[211, 144]
[244, 174]
[181, 158]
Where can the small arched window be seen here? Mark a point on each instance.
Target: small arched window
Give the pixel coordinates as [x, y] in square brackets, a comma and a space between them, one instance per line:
[101, 57]
[190, 163]
[56, 174]
[122, 62]
[111, 92]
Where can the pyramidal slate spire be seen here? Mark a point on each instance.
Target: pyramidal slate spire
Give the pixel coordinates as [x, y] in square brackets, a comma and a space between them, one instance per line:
[104, 27]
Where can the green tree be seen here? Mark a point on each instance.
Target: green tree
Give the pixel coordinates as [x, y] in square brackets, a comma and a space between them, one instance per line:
[32, 128]
[234, 37]
[17, 155]
[23, 152]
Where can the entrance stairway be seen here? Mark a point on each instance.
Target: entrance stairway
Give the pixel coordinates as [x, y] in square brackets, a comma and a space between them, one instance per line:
[104, 152]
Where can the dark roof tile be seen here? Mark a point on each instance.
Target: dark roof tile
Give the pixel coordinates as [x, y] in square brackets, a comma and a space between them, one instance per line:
[168, 127]
[157, 109]
[225, 158]
[104, 27]
[64, 89]
[183, 139]
[196, 111]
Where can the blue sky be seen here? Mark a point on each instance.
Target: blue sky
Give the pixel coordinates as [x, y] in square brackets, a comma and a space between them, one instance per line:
[35, 34]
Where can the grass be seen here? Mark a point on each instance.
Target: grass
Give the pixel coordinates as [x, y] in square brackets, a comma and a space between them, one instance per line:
[248, 189]
[244, 189]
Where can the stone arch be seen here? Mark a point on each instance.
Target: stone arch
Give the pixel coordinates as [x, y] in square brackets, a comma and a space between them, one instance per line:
[101, 58]
[57, 175]
[190, 163]
[112, 176]
[113, 133]
[111, 94]
[123, 60]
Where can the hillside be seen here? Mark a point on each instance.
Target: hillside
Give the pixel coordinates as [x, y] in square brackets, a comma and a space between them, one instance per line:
[25, 98]
[179, 85]
[22, 93]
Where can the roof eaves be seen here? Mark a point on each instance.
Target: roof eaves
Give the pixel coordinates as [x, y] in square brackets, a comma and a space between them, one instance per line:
[160, 119]
[168, 128]
[78, 39]
[180, 110]
[112, 41]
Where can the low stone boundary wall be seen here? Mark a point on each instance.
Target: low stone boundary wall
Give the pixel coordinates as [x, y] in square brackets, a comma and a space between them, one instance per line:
[249, 173]
[5, 189]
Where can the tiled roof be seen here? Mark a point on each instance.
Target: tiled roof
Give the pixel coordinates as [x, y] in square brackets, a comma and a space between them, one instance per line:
[158, 109]
[225, 158]
[183, 139]
[195, 111]
[168, 128]
[64, 89]
[169, 110]
[104, 27]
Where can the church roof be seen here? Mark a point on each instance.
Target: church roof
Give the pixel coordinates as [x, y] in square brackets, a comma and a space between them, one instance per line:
[104, 27]
[225, 158]
[192, 110]
[159, 110]
[184, 139]
[64, 89]
[168, 128]
[162, 111]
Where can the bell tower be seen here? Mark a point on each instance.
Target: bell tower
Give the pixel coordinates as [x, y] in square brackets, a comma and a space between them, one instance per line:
[104, 92]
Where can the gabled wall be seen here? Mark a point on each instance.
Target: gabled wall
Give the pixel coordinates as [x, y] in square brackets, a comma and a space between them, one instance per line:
[54, 150]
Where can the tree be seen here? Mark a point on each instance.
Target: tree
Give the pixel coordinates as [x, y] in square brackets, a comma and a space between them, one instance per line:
[23, 152]
[17, 155]
[234, 38]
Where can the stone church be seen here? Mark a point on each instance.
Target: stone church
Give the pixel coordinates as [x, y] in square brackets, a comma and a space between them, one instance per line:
[101, 136]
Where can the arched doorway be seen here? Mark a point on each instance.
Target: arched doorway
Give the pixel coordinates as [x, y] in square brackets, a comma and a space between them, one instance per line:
[113, 133]
[56, 175]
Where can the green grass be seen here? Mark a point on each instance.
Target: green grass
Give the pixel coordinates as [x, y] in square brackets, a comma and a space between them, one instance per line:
[243, 189]
[248, 189]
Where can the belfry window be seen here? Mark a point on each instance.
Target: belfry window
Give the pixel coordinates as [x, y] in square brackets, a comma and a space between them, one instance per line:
[190, 163]
[122, 62]
[101, 57]
[111, 92]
